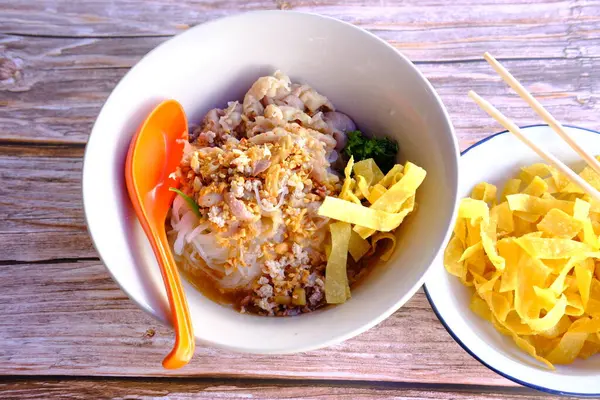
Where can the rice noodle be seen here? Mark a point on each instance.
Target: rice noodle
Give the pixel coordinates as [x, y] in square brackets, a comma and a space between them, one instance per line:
[197, 230]
[278, 140]
[183, 221]
[283, 192]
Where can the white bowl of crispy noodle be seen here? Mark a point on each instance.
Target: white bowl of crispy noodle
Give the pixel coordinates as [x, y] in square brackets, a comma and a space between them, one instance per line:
[217, 62]
[495, 160]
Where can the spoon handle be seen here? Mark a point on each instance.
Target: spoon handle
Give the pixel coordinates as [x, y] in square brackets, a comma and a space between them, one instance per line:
[184, 346]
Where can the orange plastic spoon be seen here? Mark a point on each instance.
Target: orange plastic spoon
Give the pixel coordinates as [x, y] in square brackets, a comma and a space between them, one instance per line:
[154, 153]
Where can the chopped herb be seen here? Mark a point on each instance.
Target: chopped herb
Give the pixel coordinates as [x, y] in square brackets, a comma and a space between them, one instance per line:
[188, 200]
[383, 151]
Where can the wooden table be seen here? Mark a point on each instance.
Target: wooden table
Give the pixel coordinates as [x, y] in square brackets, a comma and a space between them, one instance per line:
[68, 330]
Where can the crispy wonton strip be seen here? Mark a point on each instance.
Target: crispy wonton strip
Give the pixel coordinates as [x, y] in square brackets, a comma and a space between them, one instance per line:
[382, 236]
[358, 246]
[352, 213]
[369, 170]
[336, 284]
[393, 199]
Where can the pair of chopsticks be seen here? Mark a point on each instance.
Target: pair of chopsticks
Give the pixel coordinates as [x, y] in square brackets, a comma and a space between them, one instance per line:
[548, 118]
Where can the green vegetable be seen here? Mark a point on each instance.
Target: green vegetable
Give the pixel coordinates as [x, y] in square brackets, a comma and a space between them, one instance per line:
[188, 200]
[383, 151]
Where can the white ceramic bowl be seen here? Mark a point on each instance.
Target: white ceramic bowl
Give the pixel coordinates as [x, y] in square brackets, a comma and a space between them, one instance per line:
[218, 61]
[494, 160]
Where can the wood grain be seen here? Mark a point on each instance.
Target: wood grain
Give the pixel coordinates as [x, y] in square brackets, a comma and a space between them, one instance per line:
[429, 30]
[41, 214]
[64, 82]
[62, 313]
[227, 389]
[72, 319]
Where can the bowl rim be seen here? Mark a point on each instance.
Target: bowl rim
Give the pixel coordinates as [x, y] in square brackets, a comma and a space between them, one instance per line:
[382, 315]
[454, 336]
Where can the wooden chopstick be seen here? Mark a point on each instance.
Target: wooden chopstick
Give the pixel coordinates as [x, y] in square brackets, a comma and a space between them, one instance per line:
[541, 111]
[514, 129]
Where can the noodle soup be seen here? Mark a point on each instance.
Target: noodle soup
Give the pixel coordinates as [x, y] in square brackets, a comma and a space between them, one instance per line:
[249, 226]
